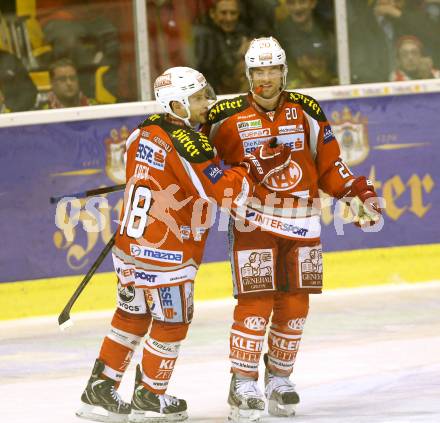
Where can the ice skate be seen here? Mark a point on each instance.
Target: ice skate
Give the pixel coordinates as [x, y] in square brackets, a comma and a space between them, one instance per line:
[148, 407]
[246, 400]
[100, 400]
[281, 394]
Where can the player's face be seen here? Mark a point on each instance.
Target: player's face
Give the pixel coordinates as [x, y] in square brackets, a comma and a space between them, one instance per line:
[267, 80]
[199, 104]
[65, 83]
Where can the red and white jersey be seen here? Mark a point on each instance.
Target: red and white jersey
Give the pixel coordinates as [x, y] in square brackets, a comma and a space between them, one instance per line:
[172, 176]
[288, 205]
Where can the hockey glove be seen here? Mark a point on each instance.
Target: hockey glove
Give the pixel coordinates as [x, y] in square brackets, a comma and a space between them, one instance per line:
[267, 159]
[363, 202]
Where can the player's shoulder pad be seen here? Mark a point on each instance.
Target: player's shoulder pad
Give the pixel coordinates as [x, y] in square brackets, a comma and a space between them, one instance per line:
[191, 145]
[226, 108]
[155, 119]
[309, 104]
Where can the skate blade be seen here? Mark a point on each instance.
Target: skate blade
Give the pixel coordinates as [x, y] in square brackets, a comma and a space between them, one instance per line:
[237, 415]
[137, 416]
[99, 414]
[281, 410]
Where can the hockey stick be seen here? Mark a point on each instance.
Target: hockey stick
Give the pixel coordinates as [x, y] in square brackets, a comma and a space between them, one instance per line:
[89, 193]
[64, 319]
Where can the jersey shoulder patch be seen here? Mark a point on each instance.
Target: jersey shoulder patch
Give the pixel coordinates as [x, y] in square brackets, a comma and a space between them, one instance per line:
[191, 145]
[309, 104]
[226, 108]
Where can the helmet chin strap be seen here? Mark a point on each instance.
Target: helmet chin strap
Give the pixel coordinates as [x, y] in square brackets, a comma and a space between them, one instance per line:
[262, 100]
[186, 119]
[265, 102]
[188, 113]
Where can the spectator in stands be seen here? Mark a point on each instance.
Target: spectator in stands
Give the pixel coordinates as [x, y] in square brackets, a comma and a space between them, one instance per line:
[220, 44]
[411, 63]
[325, 11]
[258, 16]
[312, 66]
[65, 87]
[18, 89]
[432, 11]
[301, 29]
[375, 28]
[170, 33]
[3, 107]
[87, 38]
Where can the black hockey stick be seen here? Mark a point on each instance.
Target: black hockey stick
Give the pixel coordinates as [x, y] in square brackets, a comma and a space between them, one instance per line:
[89, 193]
[64, 318]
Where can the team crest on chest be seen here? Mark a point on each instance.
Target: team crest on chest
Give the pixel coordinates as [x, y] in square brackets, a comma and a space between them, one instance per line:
[286, 180]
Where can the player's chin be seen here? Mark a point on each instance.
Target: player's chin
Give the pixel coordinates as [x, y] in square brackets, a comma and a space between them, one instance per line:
[203, 118]
[268, 94]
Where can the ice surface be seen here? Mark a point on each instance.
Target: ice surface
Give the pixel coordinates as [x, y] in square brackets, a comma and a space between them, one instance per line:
[367, 355]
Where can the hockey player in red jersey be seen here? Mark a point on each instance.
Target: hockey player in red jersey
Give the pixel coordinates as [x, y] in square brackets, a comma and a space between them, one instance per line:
[277, 265]
[171, 173]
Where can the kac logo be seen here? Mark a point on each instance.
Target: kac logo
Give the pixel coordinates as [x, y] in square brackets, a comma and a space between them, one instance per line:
[287, 179]
[328, 134]
[255, 322]
[213, 172]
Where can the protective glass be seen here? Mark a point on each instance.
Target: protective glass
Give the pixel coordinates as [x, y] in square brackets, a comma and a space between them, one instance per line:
[206, 93]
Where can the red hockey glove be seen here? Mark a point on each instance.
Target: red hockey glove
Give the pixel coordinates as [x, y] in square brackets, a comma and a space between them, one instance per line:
[363, 202]
[267, 159]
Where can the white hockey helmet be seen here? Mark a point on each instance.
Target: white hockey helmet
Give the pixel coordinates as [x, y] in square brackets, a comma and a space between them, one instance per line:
[265, 51]
[178, 84]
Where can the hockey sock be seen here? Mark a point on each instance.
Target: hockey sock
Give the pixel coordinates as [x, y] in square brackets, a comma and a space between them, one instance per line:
[161, 350]
[118, 346]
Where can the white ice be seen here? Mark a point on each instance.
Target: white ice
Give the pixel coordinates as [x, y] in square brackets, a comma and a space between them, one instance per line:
[367, 355]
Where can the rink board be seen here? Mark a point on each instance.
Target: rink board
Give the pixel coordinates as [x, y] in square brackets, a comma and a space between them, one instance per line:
[348, 269]
[393, 140]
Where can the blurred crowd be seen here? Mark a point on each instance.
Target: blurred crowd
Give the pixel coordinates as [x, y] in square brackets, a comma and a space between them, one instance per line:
[67, 53]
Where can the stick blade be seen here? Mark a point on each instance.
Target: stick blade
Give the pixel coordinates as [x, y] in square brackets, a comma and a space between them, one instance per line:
[64, 321]
[66, 325]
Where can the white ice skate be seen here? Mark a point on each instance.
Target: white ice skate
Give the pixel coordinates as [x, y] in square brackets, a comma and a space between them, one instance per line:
[281, 394]
[246, 400]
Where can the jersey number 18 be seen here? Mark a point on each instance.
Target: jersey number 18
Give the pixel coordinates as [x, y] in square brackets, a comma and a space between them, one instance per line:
[137, 212]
